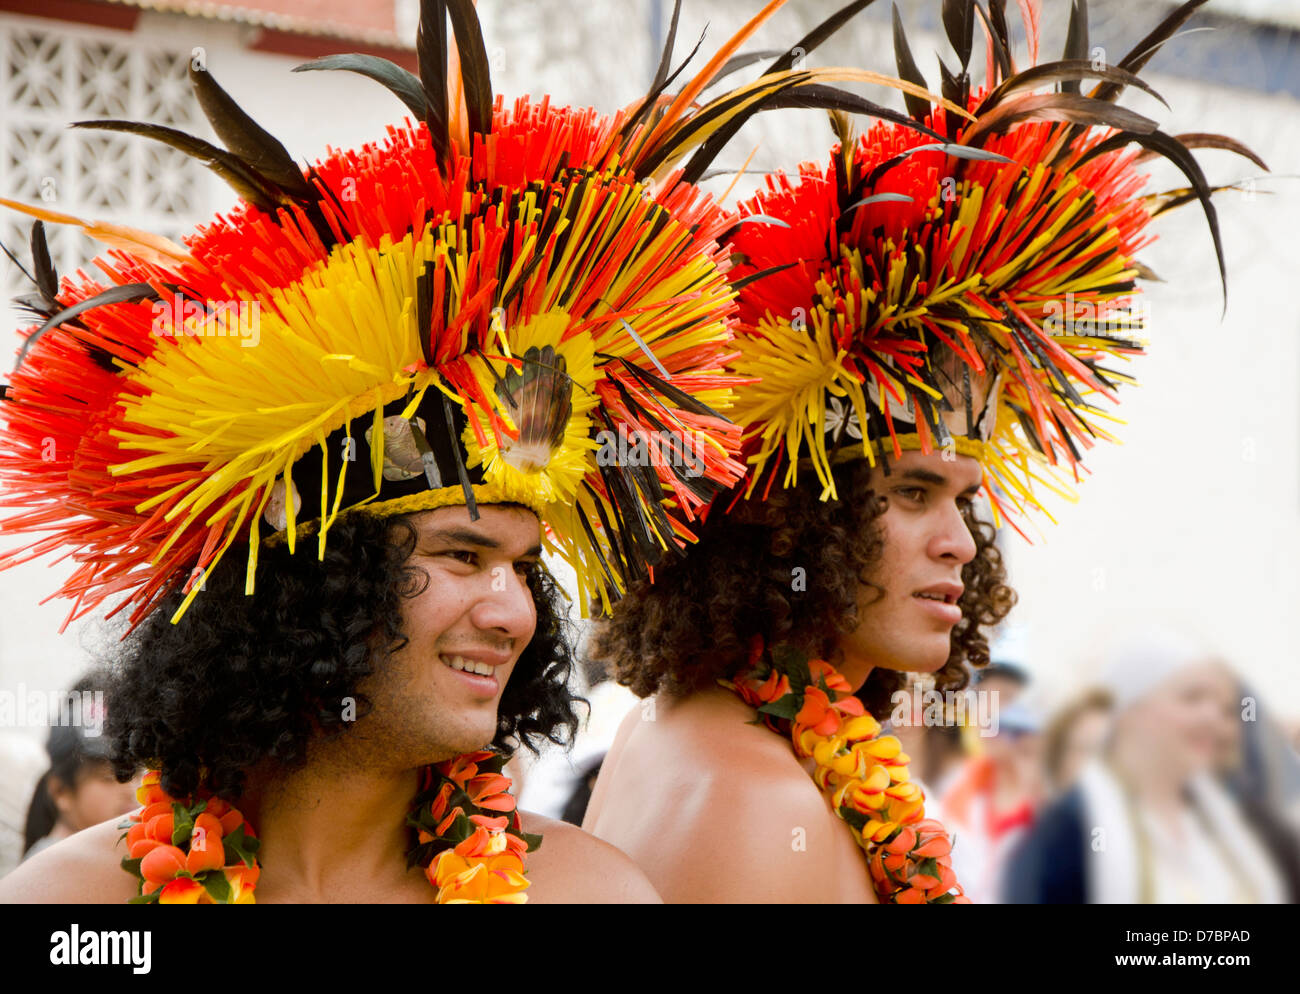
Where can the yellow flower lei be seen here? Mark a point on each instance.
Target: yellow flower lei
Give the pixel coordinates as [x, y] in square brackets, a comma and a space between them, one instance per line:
[202, 851]
[864, 773]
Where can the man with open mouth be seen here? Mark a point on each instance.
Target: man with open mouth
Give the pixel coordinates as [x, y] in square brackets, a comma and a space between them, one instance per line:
[929, 317]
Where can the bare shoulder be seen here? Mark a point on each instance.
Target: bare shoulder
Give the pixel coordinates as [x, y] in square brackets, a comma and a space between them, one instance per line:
[573, 867]
[82, 869]
[716, 809]
[760, 831]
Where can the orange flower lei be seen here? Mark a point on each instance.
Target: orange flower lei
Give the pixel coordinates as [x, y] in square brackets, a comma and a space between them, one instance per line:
[202, 851]
[865, 773]
[470, 841]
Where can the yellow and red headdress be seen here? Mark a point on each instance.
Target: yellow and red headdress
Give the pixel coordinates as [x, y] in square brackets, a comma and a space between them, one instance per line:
[969, 293]
[491, 305]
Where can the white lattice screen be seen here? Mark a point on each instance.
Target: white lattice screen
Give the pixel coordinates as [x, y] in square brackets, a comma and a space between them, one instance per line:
[52, 75]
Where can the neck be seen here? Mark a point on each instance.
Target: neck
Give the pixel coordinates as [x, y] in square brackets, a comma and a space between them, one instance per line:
[331, 830]
[854, 670]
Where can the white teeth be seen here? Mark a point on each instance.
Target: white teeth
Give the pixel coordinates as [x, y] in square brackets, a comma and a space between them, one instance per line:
[933, 597]
[467, 665]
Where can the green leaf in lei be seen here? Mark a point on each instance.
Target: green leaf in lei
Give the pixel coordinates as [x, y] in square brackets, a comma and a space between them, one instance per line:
[183, 822]
[794, 664]
[240, 844]
[853, 817]
[787, 707]
[217, 886]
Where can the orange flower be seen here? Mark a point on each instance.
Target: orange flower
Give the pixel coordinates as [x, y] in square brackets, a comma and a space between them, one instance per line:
[135, 834]
[902, 842]
[206, 851]
[756, 693]
[438, 806]
[939, 845]
[209, 824]
[488, 791]
[161, 864]
[817, 713]
[150, 793]
[151, 811]
[461, 768]
[141, 847]
[831, 677]
[229, 817]
[182, 890]
[160, 827]
[480, 843]
[776, 686]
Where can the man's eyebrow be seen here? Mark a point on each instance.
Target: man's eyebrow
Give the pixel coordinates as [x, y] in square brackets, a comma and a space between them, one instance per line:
[467, 536]
[937, 479]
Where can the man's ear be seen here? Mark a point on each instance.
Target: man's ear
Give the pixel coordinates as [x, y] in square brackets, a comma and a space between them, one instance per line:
[60, 792]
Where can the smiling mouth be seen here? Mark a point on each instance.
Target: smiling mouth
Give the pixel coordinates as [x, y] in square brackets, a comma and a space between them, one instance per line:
[467, 665]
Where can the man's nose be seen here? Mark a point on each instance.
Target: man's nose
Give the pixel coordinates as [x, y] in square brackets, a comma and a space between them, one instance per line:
[506, 605]
[954, 537]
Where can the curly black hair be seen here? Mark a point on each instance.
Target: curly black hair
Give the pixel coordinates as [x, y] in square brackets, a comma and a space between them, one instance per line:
[693, 624]
[242, 679]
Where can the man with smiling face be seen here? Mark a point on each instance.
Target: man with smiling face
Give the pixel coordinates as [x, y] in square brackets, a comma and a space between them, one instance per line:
[326, 547]
[332, 826]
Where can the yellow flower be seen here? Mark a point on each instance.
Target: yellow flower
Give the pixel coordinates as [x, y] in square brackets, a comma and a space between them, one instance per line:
[476, 880]
[861, 727]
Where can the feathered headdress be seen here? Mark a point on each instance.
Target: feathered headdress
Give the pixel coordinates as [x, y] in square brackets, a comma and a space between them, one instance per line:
[965, 294]
[490, 306]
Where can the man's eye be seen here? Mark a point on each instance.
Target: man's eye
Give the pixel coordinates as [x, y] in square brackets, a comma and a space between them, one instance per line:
[911, 493]
[461, 556]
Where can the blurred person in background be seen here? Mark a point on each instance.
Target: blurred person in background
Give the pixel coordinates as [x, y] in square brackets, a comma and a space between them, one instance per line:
[1075, 735]
[1261, 770]
[23, 763]
[993, 800]
[1148, 822]
[79, 789]
[1003, 679]
[934, 748]
[559, 782]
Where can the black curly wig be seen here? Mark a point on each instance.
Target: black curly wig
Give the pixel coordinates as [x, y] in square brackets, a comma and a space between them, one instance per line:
[244, 679]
